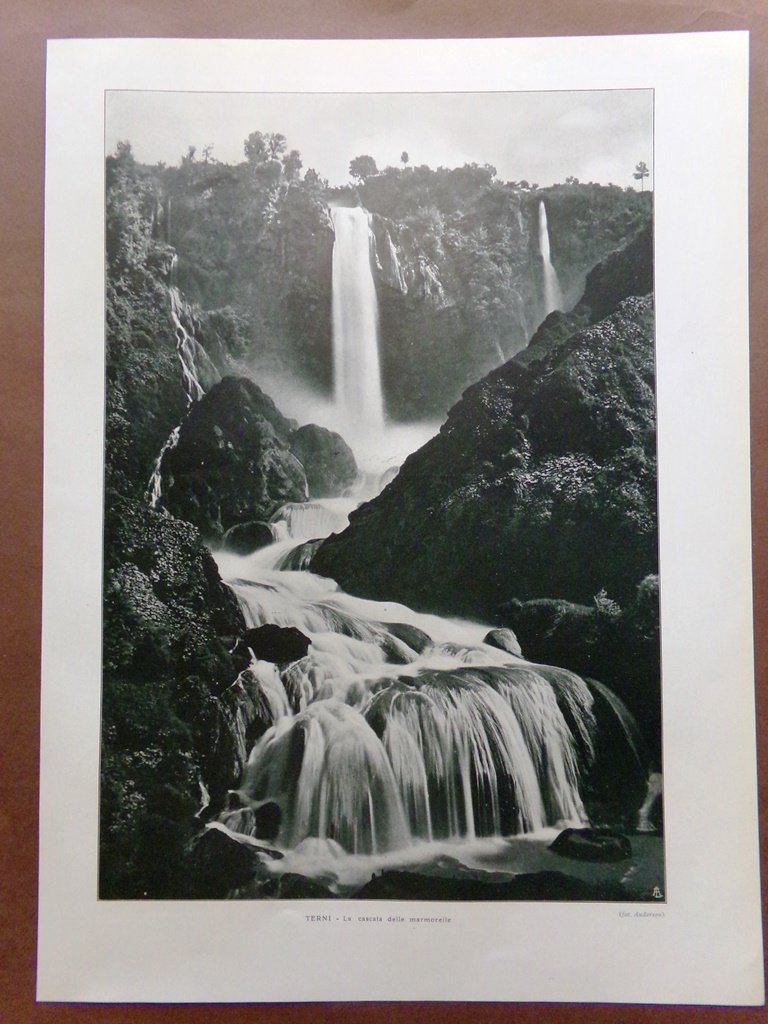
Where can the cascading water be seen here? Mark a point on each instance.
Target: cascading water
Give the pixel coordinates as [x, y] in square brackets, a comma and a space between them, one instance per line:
[553, 297]
[154, 490]
[357, 375]
[399, 728]
[186, 347]
[398, 731]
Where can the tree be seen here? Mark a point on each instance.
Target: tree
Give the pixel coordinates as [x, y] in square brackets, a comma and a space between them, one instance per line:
[277, 144]
[261, 146]
[363, 167]
[292, 165]
[255, 147]
[404, 158]
[313, 181]
[641, 172]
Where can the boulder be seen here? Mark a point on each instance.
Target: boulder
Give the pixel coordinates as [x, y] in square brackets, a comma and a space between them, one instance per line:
[589, 844]
[412, 636]
[267, 819]
[504, 640]
[219, 861]
[245, 538]
[278, 644]
[232, 463]
[328, 461]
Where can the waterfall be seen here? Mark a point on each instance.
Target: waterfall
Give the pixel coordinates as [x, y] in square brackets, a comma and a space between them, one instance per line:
[310, 520]
[186, 348]
[553, 298]
[357, 376]
[400, 728]
[154, 490]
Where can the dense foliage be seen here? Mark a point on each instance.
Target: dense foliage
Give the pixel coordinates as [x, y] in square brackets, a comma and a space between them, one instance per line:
[457, 256]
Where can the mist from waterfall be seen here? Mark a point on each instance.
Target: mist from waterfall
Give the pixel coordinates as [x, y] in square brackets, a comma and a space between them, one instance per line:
[553, 296]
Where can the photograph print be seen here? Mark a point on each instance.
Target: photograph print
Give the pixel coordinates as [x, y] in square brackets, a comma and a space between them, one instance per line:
[380, 559]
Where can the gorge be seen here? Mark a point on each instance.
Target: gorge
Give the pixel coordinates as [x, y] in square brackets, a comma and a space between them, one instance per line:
[364, 747]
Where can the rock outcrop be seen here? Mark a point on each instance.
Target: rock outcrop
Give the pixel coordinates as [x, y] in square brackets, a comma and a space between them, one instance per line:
[169, 624]
[232, 463]
[328, 461]
[541, 483]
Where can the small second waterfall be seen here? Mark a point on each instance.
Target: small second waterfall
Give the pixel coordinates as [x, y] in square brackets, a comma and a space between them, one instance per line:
[553, 296]
[186, 350]
[357, 375]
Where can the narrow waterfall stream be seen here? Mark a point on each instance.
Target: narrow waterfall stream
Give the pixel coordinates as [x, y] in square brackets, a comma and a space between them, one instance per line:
[186, 350]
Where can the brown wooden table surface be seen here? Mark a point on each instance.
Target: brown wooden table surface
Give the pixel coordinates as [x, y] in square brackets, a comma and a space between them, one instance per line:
[24, 27]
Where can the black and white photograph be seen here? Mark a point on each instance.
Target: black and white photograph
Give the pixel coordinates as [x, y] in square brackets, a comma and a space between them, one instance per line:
[380, 573]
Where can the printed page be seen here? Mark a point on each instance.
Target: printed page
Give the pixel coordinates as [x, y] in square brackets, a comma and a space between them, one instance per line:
[398, 391]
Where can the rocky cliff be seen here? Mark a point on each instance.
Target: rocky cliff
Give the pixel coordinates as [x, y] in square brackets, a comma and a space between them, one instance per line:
[542, 481]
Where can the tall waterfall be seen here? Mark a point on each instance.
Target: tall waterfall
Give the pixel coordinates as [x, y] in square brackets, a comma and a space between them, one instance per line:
[553, 297]
[357, 376]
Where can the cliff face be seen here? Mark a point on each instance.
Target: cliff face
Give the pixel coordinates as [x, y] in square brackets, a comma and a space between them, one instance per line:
[460, 285]
[456, 258]
[540, 484]
[169, 624]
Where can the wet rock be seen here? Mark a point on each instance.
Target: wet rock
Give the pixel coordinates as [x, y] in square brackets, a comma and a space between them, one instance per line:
[414, 637]
[278, 644]
[298, 558]
[540, 885]
[293, 887]
[218, 862]
[503, 640]
[327, 459]
[246, 538]
[267, 821]
[589, 844]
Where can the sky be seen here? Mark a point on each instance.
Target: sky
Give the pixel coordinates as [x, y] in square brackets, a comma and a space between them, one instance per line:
[540, 137]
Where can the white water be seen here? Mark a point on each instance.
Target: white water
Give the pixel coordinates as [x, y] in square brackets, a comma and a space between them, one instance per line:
[357, 375]
[377, 748]
[187, 349]
[553, 297]
[380, 749]
[154, 490]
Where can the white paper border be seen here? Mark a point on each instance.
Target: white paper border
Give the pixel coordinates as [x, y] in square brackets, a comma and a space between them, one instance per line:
[707, 946]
